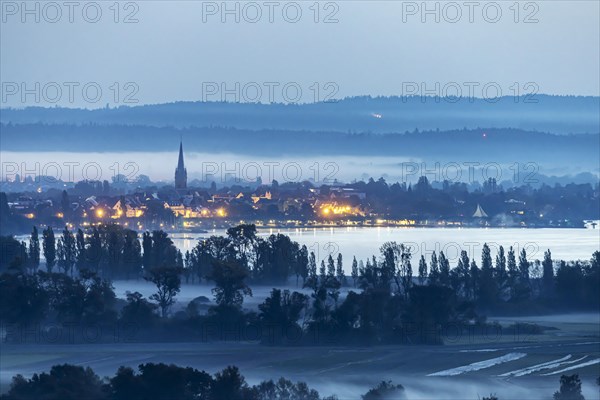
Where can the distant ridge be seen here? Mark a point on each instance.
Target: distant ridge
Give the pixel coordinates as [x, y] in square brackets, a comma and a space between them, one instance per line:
[493, 145]
[554, 114]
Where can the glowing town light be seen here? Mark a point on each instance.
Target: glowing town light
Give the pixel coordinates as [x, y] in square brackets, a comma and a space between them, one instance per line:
[100, 213]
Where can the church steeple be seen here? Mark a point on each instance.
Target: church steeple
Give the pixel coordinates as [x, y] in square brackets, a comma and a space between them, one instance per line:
[180, 171]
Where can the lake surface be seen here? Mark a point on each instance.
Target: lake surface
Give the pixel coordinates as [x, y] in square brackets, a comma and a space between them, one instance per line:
[364, 242]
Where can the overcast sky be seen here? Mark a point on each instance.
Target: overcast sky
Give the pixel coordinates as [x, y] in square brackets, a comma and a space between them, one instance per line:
[184, 51]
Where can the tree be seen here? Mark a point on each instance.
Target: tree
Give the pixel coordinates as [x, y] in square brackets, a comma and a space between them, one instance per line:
[434, 270]
[430, 308]
[591, 284]
[147, 247]
[179, 260]
[230, 384]
[23, 300]
[66, 251]
[99, 299]
[523, 288]
[474, 279]
[302, 265]
[422, 270]
[138, 311]
[548, 273]
[444, 270]
[34, 250]
[282, 311]
[244, 241]
[322, 272]
[285, 389]
[157, 381]
[392, 253]
[488, 290]
[131, 261]
[202, 257]
[513, 272]
[282, 307]
[277, 258]
[80, 250]
[229, 279]
[461, 281]
[331, 283]
[339, 270]
[500, 270]
[168, 283]
[161, 381]
[66, 296]
[11, 256]
[21, 262]
[93, 251]
[396, 265]
[49, 245]
[569, 281]
[523, 267]
[313, 279]
[570, 388]
[164, 251]
[354, 271]
[385, 390]
[330, 268]
[65, 382]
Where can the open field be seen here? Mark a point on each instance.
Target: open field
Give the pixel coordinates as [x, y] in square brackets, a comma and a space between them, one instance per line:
[513, 368]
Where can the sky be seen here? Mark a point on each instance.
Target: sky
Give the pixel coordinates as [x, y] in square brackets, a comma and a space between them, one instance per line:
[95, 54]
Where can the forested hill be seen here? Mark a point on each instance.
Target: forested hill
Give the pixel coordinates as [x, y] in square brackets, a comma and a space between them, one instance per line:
[500, 145]
[554, 114]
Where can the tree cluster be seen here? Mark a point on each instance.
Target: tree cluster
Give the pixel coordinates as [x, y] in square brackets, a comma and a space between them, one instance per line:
[153, 382]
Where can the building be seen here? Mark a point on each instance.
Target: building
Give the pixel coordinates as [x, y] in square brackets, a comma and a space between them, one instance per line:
[180, 171]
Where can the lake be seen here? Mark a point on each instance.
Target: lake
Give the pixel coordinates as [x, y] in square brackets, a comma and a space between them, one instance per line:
[363, 242]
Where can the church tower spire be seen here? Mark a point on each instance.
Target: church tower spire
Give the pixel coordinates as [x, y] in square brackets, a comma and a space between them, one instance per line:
[180, 171]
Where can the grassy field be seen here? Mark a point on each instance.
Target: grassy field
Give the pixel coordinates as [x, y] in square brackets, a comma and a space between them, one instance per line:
[350, 371]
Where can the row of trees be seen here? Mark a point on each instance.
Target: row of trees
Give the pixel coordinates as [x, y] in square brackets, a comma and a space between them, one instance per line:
[56, 297]
[166, 382]
[272, 260]
[515, 280]
[115, 252]
[388, 304]
[156, 382]
[111, 251]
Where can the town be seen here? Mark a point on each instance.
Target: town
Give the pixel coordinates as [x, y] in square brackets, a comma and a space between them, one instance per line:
[181, 207]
